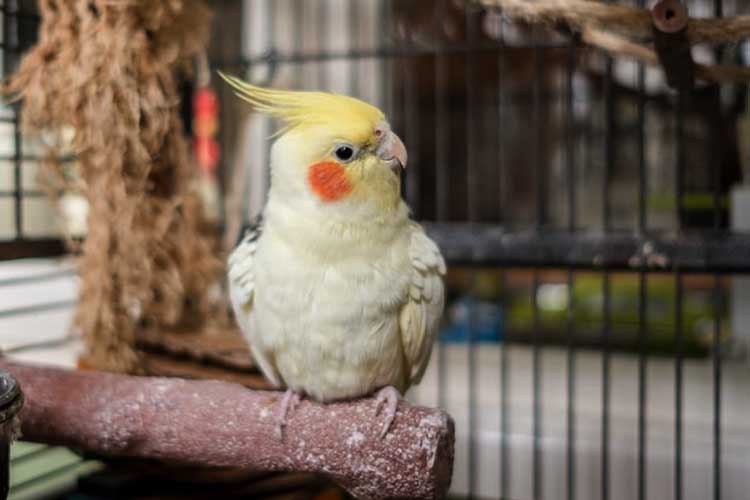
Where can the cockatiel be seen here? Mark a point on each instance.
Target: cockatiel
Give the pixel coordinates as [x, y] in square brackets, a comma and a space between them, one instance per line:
[337, 291]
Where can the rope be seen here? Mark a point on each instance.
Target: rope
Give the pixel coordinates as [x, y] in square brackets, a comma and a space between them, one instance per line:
[611, 28]
[618, 45]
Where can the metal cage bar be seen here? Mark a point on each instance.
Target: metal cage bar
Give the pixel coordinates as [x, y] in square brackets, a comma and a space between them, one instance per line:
[18, 33]
[502, 199]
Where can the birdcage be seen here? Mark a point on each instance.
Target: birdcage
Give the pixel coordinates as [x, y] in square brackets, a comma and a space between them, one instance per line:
[584, 178]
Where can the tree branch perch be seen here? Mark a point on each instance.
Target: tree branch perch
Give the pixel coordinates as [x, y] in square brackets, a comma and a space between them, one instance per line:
[217, 424]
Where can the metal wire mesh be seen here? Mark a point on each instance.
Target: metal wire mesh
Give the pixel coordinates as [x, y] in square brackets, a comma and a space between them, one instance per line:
[575, 196]
[567, 170]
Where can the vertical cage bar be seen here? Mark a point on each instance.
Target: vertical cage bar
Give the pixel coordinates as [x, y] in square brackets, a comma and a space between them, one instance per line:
[717, 292]
[298, 42]
[571, 386]
[412, 109]
[386, 66]
[570, 139]
[471, 114]
[472, 430]
[718, 143]
[642, 281]
[570, 317]
[505, 480]
[354, 45]
[14, 39]
[605, 384]
[501, 177]
[678, 388]
[323, 42]
[642, 374]
[271, 30]
[537, 386]
[541, 217]
[441, 153]
[679, 173]
[471, 160]
[540, 170]
[609, 145]
[642, 173]
[17, 173]
[504, 401]
[609, 159]
[269, 8]
[642, 364]
[679, 330]
[441, 165]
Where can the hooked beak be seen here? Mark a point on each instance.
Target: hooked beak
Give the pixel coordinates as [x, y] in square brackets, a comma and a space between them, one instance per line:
[392, 150]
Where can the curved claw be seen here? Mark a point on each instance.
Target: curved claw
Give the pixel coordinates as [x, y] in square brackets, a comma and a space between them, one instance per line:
[387, 397]
[286, 406]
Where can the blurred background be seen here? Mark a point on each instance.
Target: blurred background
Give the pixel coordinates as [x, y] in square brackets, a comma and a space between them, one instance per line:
[596, 342]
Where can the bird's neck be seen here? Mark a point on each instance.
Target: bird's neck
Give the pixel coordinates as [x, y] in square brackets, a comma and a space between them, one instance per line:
[325, 228]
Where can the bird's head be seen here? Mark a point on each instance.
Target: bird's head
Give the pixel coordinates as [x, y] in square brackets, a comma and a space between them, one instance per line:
[333, 150]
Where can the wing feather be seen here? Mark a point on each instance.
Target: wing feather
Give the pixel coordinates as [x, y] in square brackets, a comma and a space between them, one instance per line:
[420, 315]
[242, 293]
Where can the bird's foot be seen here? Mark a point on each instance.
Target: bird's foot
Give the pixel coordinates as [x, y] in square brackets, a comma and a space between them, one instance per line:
[388, 398]
[286, 405]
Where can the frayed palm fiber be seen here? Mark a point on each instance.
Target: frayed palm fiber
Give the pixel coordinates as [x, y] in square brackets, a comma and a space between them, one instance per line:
[107, 68]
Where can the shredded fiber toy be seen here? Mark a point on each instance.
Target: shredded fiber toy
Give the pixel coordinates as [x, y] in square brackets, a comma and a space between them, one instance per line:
[108, 71]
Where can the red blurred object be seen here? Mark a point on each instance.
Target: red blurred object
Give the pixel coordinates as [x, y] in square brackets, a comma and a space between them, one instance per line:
[206, 153]
[205, 126]
[205, 102]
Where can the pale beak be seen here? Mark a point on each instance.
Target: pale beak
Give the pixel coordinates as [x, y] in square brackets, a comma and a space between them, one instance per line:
[392, 150]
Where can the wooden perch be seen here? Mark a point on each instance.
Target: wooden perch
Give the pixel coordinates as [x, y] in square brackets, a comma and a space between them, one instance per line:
[217, 424]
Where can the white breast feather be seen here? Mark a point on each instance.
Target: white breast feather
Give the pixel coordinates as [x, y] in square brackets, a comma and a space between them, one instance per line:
[341, 327]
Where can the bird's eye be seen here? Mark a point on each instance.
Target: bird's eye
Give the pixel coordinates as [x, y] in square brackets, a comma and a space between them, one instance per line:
[344, 152]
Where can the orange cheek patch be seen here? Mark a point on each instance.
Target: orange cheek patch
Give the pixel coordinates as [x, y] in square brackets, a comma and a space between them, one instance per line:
[328, 180]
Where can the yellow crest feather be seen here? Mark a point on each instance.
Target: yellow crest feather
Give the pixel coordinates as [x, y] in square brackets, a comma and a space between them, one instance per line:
[348, 117]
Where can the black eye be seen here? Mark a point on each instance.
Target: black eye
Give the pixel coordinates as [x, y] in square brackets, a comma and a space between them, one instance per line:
[344, 153]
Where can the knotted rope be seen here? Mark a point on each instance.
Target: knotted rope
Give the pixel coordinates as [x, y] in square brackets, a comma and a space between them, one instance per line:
[624, 30]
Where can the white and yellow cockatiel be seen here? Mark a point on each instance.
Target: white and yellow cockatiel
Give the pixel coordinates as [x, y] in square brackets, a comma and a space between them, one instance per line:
[338, 293]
